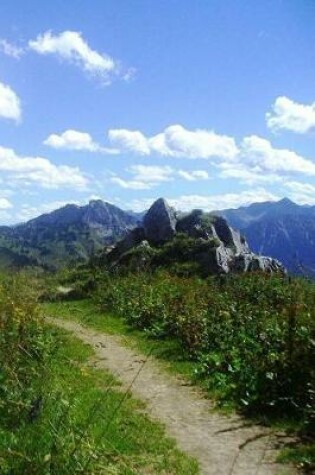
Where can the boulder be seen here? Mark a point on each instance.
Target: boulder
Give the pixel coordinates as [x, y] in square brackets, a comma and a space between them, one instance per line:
[159, 222]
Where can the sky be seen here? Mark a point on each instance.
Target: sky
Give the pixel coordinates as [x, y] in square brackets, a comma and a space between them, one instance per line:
[208, 103]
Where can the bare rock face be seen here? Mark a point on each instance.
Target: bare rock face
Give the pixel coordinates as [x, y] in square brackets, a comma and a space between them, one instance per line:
[251, 262]
[212, 243]
[159, 222]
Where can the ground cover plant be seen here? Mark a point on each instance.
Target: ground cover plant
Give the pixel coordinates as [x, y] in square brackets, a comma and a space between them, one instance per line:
[249, 339]
[252, 339]
[252, 336]
[59, 416]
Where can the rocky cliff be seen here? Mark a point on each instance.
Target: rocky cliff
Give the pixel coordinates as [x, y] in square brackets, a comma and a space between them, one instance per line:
[167, 237]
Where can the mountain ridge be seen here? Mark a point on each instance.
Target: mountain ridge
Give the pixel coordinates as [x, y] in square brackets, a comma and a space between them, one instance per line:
[71, 234]
[282, 229]
[66, 235]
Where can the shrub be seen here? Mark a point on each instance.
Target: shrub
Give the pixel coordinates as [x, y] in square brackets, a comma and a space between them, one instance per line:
[252, 336]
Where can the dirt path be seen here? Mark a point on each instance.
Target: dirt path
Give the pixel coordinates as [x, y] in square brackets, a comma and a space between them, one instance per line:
[222, 445]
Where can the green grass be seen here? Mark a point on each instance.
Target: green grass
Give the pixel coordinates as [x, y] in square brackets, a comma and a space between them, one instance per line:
[85, 424]
[167, 350]
[304, 455]
[170, 353]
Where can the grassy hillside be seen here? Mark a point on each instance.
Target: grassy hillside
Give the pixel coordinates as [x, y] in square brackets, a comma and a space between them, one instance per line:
[66, 236]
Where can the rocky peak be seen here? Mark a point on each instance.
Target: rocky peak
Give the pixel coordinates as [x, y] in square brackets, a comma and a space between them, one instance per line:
[211, 243]
[159, 222]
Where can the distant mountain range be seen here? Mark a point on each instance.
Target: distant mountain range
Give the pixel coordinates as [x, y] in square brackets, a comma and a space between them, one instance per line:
[70, 234]
[283, 230]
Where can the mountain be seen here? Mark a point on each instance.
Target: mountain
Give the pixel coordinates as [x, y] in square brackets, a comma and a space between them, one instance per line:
[69, 234]
[195, 242]
[282, 229]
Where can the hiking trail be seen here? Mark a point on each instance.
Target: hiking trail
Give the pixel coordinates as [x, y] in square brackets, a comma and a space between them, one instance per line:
[223, 445]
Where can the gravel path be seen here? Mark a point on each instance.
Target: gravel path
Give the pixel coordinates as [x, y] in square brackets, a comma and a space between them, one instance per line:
[223, 445]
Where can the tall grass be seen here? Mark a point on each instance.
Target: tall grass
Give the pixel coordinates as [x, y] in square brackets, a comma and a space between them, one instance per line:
[60, 417]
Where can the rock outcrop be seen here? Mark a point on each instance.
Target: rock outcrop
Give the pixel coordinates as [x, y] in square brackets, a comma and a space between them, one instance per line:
[197, 237]
[159, 223]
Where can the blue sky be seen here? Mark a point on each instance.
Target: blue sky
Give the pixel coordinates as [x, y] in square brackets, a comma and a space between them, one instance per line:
[209, 103]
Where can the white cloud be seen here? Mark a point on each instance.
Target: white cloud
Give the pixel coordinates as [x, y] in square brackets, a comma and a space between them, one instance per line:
[258, 155]
[289, 115]
[194, 175]
[10, 49]
[129, 140]
[71, 47]
[151, 174]
[30, 170]
[176, 141]
[222, 201]
[131, 184]
[72, 140]
[76, 140]
[10, 105]
[144, 177]
[302, 193]
[5, 203]
[210, 202]
[249, 176]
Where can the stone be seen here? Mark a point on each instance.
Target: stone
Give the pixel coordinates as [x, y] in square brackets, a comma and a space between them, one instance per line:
[219, 249]
[159, 222]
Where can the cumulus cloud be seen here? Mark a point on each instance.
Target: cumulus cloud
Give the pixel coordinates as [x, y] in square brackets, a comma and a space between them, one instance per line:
[175, 141]
[129, 141]
[76, 140]
[259, 155]
[10, 104]
[210, 202]
[289, 115]
[71, 47]
[30, 170]
[151, 173]
[145, 177]
[10, 49]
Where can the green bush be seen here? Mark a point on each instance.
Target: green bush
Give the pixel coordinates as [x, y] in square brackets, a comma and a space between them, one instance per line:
[252, 336]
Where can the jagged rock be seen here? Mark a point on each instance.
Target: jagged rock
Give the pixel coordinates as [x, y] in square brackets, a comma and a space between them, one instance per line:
[229, 236]
[250, 262]
[197, 224]
[211, 243]
[159, 222]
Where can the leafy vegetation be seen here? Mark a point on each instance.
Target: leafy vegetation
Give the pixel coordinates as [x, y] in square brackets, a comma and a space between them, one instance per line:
[75, 422]
[251, 336]
[249, 339]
